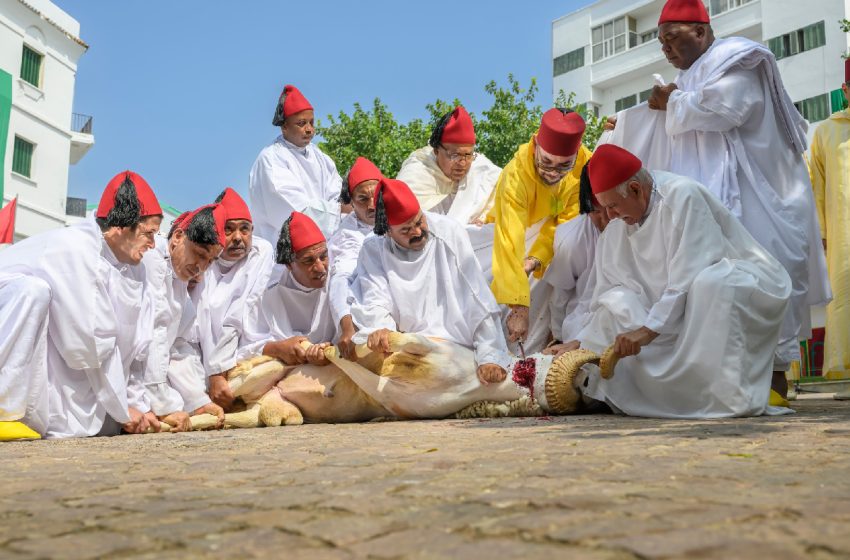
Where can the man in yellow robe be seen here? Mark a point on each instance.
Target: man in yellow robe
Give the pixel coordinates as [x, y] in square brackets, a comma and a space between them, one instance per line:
[537, 191]
[830, 172]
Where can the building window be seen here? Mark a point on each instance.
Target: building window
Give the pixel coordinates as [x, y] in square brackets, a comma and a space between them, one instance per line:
[31, 66]
[644, 95]
[719, 6]
[801, 40]
[22, 157]
[815, 108]
[569, 61]
[837, 100]
[613, 37]
[648, 36]
[625, 102]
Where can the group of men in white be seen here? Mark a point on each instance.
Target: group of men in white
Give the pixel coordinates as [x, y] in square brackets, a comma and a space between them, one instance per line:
[687, 240]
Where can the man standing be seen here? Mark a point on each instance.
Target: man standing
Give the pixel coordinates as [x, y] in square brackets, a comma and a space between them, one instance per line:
[537, 190]
[830, 172]
[448, 176]
[229, 296]
[193, 244]
[726, 101]
[292, 174]
[71, 301]
[344, 247]
[418, 275]
[571, 273]
[692, 303]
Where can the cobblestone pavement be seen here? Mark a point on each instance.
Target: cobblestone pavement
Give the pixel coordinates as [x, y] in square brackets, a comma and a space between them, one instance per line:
[599, 487]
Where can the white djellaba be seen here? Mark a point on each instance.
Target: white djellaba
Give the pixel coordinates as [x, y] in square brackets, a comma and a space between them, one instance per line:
[692, 273]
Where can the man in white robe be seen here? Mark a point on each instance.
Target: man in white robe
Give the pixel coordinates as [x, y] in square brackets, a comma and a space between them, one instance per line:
[229, 295]
[733, 128]
[691, 302]
[292, 174]
[447, 176]
[419, 275]
[296, 307]
[358, 190]
[72, 302]
[571, 273]
[194, 243]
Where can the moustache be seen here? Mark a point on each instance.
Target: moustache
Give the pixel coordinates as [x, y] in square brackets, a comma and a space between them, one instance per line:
[419, 238]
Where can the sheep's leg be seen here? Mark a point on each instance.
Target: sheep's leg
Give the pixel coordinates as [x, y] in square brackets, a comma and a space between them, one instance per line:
[276, 411]
[259, 380]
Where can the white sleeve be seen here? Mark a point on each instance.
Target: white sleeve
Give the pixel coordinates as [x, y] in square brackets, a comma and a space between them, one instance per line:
[723, 105]
[489, 343]
[282, 191]
[186, 375]
[374, 311]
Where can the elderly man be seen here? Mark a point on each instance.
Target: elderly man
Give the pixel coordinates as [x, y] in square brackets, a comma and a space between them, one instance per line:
[831, 182]
[70, 306]
[296, 307]
[692, 303]
[448, 176]
[419, 275]
[194, 243]
[537, 190]
[229, 296]
[571, 273]
[292, 174]
[726, 100]
[344, 247]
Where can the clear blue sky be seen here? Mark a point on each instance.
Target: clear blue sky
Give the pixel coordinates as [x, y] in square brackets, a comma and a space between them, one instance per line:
[184, 91]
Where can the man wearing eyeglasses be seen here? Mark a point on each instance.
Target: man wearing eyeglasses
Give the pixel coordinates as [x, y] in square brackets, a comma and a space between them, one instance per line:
[448, 176]
[537, 190]
[71, 304]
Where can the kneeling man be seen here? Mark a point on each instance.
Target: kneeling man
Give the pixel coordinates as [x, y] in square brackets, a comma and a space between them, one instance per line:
[690, 300]
[296, 308]
[419, 275]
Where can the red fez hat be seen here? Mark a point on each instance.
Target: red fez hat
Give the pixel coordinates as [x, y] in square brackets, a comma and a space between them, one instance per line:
[235, 205]
[178, 221]
[147, 200]
[610, 166]
[688, 11]
[399, 203]
[291, 101]
[459, 128]
[303, 232]
[847, 70]
[363, 170]
[219, 214]
[560, 134]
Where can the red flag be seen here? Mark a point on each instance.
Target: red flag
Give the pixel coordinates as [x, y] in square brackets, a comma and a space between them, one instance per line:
[7, 222]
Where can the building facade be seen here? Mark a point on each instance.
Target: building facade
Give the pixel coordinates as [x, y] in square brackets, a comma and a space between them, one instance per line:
[39, 51]
[608, 51]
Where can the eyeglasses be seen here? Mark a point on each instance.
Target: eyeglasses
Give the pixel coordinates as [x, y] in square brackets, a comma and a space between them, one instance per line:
[559, 169]
[455, 157]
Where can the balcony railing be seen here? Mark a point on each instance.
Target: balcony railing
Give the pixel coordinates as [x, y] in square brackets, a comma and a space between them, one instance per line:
[81, 123]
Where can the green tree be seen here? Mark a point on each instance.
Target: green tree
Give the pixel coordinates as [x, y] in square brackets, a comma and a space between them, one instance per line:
[845, 27]
[374, 134]
[511, 120]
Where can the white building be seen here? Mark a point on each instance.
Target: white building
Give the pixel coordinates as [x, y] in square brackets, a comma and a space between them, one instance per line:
[39, 51]
[608, 51]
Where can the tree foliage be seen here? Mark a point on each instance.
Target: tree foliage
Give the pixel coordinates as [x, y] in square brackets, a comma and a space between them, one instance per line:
[845, 27]
[511, 120]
